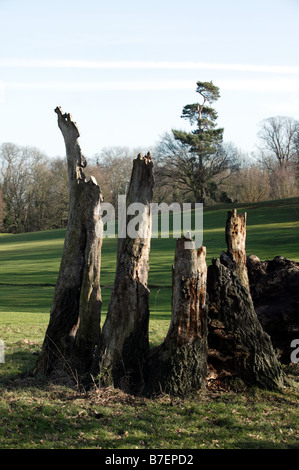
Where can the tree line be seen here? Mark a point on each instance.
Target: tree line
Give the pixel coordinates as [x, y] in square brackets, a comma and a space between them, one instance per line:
[190, 166]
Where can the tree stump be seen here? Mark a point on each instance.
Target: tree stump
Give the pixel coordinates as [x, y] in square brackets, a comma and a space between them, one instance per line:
[238, 346]
[275, 294]
[124, 343]
[235, 236]
[214, 327]
[179, 365]
[74, 324]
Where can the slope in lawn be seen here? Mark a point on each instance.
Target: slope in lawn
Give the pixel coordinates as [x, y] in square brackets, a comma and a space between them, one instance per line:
[30, 262]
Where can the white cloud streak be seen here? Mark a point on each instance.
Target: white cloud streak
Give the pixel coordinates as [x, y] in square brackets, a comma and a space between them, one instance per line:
[163, 65]
[100, 86]
[264, 86]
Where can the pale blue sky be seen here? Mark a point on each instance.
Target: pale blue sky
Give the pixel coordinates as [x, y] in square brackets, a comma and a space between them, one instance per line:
[125, 69]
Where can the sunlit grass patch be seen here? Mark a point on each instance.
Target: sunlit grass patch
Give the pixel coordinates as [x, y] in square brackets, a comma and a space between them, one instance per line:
[37, 414]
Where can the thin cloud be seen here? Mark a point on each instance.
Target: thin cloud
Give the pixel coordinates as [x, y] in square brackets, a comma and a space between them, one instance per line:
[163, 65]
[100, 86]
[265, 86]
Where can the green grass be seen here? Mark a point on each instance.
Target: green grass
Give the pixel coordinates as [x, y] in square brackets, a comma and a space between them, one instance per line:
[42, 415]
[272, 229]
[61, 418]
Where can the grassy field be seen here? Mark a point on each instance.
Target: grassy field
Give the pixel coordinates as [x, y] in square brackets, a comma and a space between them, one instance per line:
[35, 415]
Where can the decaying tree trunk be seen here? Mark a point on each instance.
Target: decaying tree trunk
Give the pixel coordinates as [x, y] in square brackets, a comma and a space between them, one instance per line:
[238, 346]
[124, 343]
[235, 235]
[179, 365]
[274, 287]
[214, 330]
[74, 324]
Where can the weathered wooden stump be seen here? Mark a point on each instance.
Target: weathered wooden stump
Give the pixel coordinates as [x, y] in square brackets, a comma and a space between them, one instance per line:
[238, 346]
[124, 344]
[274, 287]
[214, 330]
[74, 324]
[235, 236]
[179, 365]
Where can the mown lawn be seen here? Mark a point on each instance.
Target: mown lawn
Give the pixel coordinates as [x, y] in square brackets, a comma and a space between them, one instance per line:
[35, 415]
[58, 417]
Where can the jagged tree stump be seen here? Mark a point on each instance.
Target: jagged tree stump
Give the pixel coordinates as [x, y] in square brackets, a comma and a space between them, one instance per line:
[179, 365]
[124, 342]
[214, 327]
[235, 236]
[238, 346]
[74, 324]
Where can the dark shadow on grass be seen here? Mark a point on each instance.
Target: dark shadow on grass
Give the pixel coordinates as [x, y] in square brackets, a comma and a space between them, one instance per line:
[261, 444]
[50, 424]
[19, 365]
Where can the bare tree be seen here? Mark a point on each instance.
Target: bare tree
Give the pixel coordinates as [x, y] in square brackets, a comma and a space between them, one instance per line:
[34, 189]
[112, 168]
[16, 177]
[250, 184]
[284, 183]
[2, 211]
[279, 137]
[179, 168]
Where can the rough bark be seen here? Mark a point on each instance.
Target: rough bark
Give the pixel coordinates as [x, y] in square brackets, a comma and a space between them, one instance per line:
[214, 327]
[179, 365]
[124, 343]
[274, 287]
[74, 324]
[235, 235]
[238, 346]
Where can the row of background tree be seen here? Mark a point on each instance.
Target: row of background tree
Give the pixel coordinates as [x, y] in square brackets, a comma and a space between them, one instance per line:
[195, 166]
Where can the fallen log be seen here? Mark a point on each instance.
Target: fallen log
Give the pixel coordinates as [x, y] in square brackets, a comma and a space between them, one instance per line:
[274, 287]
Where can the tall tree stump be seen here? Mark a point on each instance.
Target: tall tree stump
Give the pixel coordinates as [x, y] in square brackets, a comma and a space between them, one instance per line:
[238, 346]
[235, 236]
[124, 343]
[74, 324]
[179, 365]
